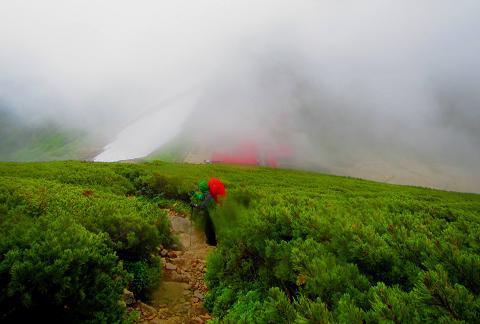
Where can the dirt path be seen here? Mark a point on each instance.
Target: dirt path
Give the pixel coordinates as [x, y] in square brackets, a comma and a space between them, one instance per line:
[179, 299]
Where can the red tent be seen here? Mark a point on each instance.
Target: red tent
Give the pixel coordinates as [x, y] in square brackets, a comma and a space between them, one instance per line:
[244, 153]
[248, 153]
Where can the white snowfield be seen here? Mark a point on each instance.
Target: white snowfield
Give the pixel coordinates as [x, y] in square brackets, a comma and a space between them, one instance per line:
[149, 132]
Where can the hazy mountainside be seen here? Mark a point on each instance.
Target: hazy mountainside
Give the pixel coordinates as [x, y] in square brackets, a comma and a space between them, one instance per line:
[42, 141]
[293, 246]
[396, 170]
[48, 141]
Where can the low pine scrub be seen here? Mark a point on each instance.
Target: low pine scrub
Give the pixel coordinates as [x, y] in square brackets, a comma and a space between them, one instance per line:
[68, 250]
[293, 247]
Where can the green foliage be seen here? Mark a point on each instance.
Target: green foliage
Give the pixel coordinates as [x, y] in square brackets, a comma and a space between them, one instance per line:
[391, 304]
[275, 308]
[146, 276]
[292, 246]
[162, 186]
[53, 266]
[65, 238]
[315, 311]
[116, 178]
[338, 249]
[135, 228]
[42, 141]
[444, 301]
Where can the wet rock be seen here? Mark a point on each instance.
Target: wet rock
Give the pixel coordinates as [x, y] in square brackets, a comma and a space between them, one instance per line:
[170, 266]
[172, 254]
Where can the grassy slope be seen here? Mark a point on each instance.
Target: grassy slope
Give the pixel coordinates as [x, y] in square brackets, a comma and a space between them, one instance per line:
[377, 233]
[260, 180]
[173, 151]
[46, 141]
[68, 232]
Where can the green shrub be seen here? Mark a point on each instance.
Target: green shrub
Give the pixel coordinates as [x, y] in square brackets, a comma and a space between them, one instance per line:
[135, 227]
[343, 257]
[337, 249]
[57, 269]
[441, 300]
[146, 276]
[169, 187]
[130, 230]
[314, 311]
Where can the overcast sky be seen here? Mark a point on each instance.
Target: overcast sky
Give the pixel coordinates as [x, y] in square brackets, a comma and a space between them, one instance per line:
[341, 81]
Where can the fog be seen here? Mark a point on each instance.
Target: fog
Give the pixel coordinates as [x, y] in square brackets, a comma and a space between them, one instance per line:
[384, 90]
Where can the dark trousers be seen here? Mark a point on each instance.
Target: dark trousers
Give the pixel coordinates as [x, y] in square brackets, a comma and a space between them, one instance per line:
[210, 230]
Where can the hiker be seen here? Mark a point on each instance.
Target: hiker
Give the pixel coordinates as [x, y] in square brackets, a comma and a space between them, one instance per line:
[206, 199]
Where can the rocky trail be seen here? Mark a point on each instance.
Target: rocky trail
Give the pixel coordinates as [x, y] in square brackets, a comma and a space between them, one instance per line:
[179, 299]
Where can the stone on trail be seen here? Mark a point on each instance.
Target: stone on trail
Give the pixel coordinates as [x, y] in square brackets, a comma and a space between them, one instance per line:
[178, 299]
[128, 297]
[205, 317]
[147, 309]
[198, 294]
[170, 266]
[180, 224]
[198, 320]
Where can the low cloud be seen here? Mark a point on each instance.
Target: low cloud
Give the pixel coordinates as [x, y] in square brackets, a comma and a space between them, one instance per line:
[380, 89]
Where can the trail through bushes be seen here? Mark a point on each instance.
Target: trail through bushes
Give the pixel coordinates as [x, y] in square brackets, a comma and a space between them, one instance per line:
[292, 246]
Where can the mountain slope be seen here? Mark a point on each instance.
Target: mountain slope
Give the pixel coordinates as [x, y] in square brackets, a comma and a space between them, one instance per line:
[293, 246]
[46, 141]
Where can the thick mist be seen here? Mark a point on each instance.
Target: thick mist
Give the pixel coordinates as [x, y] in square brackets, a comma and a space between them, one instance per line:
[386, 90]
